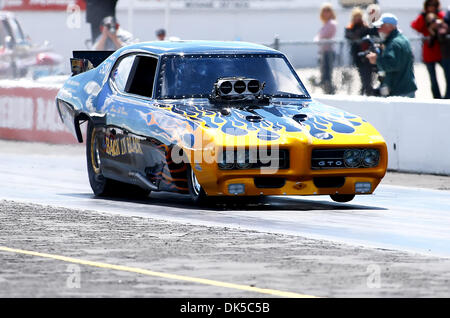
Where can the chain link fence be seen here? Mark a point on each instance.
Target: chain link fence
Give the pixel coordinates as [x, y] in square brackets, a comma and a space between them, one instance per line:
[304, 56]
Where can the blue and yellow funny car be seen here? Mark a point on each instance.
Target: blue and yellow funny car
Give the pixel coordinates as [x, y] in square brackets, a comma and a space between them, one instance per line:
[213, 119]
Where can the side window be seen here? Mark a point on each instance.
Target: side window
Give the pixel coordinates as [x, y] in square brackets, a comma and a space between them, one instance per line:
[135, 74]
[142, 76]
[122, 71]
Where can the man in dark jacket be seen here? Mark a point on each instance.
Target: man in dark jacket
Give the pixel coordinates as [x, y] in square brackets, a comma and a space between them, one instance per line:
[396, 59]
[355, 32]
[96, 10]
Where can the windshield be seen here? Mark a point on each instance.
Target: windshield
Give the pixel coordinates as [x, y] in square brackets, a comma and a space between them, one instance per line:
[194, 75]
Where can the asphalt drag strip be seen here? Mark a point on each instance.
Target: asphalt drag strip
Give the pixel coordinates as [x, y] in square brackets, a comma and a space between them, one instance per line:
[288, 266]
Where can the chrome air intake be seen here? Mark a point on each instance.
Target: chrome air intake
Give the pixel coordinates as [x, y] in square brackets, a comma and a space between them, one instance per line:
[237, 87]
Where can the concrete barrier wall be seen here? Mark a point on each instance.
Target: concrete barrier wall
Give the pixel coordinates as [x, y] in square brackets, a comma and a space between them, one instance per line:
[29, 113]
[417, 131]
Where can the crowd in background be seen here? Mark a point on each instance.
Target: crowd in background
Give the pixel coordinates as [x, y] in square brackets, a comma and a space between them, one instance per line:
[106, 33]
[380, 51]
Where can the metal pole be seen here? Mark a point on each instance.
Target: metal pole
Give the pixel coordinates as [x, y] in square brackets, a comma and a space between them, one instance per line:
[341, 53]
[130, 16]
[167, 17]
[276, 43]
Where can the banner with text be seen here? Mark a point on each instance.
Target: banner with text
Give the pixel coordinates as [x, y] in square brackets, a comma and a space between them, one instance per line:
[30, 114]
[39, 5]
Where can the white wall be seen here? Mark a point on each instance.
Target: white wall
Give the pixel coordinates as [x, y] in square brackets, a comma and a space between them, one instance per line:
[419, 129]
[256, 25]
[417, 132]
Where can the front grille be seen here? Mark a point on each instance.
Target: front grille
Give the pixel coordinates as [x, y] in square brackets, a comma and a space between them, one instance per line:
[257, 160]
[327, 158]
[344, 158]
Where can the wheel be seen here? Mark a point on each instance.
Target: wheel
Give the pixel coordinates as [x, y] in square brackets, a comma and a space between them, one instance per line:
[196, 191]
[342, 197]
[102, 186]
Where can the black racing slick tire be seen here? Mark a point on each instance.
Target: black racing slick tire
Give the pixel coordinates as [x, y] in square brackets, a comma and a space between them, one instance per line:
[342, 198]
[102, 186]
[198, 195]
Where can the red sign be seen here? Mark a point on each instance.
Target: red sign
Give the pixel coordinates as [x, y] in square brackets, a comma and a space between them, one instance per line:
[30, 114]
[40, 5]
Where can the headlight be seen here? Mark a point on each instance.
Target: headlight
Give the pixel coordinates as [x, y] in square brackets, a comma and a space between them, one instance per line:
[370, 157]
[243, 160]
[228, 161]
[235, 160]
[352, 158]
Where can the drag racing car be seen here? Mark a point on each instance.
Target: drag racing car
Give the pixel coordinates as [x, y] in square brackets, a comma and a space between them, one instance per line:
[213, 119]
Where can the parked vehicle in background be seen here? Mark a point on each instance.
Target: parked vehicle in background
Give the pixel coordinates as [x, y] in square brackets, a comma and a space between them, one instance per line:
[19, 57]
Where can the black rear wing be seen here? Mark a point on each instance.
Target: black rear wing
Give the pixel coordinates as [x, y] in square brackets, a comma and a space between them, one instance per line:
[83, 61]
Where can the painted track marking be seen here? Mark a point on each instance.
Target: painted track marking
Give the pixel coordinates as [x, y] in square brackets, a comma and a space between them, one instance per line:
[146, 272]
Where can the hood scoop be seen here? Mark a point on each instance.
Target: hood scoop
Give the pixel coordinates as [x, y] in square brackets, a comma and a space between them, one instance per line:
[300, 118]
[225, 112]
[253, 118]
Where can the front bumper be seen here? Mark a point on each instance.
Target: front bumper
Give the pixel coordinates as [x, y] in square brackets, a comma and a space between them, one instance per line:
[298, 179]
[352, 185]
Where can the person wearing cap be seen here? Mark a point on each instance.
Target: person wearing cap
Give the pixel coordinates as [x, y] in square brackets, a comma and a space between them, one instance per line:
[112, 37]
[161, 34]
[396, 59]
[96, 10]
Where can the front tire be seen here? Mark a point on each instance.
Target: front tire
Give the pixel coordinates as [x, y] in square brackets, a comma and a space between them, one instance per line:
[342, 198]
[100, 185]
[198, 195]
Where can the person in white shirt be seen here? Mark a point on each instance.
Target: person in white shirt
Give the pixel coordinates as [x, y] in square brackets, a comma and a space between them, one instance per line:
[112, 37]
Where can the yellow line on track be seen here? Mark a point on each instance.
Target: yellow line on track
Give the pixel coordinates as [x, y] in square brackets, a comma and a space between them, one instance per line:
[202, 281]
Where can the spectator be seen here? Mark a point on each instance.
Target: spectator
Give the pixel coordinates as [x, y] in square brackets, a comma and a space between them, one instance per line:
[355, 32]
[440, 32]
[326, 49]
[396, 59]
[431, 51]
[96, 10]
[447, 16]
[112, 37]
[372, 14]
[161, 34]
